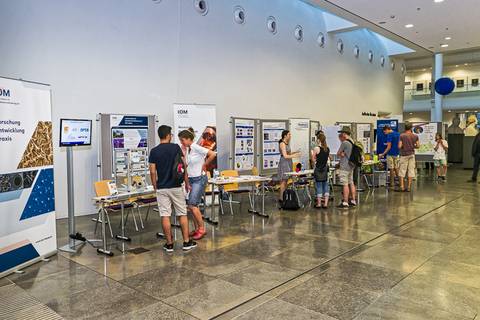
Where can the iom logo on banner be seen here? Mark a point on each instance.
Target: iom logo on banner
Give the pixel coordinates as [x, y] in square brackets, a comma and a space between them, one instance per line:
[5, 92]
[6, 95]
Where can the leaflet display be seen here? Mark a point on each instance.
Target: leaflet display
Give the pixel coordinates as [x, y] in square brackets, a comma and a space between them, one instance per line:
[75, 132]
[244, 145]
[271, 135]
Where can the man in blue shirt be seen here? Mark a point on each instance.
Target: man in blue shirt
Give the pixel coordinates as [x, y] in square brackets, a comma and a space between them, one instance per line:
[391, 152]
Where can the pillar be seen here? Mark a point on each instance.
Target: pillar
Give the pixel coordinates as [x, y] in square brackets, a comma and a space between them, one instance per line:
[437, 101]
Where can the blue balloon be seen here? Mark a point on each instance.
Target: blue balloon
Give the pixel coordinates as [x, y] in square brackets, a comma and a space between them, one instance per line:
[444, 86]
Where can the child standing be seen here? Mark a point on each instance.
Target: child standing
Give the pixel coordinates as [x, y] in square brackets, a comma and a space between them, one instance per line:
[320, 156]
[440, 156]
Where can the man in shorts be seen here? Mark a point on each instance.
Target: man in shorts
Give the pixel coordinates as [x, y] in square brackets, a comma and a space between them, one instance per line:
[391, 152]
[407, 145]
[169, 190]
[346, 169]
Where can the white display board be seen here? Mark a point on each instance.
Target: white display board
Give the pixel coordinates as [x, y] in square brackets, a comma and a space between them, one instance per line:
[363, 135]
[27, 198]
[314, 128]
[271, 135]
[200, 117]
[331, 132]
[244, 144]
[426, 135]
[300, 130]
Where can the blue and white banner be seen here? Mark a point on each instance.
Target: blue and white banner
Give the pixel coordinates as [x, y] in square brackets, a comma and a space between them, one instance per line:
[381, 138]
[27, 198]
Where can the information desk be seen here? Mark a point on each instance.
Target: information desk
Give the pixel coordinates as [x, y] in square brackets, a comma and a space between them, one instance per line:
[256, 183]
[121, 199]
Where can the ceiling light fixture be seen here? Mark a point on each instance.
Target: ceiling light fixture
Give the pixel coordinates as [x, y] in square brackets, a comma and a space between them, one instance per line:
[449, 110]
[438, 1]
[408, 26]
[448, 38]
[444, 45]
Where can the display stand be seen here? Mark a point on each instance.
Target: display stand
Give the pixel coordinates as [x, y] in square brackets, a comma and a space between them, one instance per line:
[244, 153]
[270, 134]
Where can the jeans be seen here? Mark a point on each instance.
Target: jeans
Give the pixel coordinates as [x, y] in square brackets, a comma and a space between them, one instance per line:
[323, 188]
[198, 185]
[476, 166]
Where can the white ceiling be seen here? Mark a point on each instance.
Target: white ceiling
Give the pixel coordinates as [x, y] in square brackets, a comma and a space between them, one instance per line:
[431, 20]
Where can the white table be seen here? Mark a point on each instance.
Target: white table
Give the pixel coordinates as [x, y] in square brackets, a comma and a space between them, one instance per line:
[120, 198]
[220, 182]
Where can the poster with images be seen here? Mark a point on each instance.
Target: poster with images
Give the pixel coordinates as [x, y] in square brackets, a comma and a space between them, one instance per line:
[272, 133]
[381, 138]
[27, 197]
[364, 136]
[202, 119]
[244, 157]
[129, 131]
[331, 132]
[300, 130]
[426, 135]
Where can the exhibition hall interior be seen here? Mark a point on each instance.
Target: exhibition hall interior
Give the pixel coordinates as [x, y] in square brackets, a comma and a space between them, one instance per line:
[240, 159]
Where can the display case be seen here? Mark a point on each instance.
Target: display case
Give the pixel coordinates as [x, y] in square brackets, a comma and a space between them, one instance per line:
[131, 169]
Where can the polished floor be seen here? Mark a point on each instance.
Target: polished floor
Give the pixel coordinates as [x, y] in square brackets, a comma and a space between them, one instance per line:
[396, 256]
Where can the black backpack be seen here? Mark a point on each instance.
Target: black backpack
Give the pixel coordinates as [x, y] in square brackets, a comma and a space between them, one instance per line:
[178, 170]
[356, 157]
[290, 200]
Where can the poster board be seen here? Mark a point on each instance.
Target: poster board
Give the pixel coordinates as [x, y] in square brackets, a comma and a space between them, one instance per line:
[27, 198]
[300, 130]
[270, 134]
[314, 128]
[244, 144]
[381, 138]
[331, 132]
[123, 131]
[363, 133]
[203, 119]
[426, 133]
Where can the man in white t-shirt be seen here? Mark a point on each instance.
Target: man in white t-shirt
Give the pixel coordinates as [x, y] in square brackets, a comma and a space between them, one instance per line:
[440, 156]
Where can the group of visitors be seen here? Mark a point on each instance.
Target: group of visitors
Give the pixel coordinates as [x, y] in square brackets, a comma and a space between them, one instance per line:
[179, 177]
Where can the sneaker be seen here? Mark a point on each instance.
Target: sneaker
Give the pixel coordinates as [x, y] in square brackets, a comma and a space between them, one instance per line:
[192, 233]
[352, 203]
[343, 205]
[168, 247]
[187, 246]
[199, 235]
[471, 180]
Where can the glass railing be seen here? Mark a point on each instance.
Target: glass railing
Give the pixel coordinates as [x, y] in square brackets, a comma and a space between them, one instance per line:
[422, 89]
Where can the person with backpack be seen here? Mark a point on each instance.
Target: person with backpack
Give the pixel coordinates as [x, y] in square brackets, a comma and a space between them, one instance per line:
[286, 163]
[168, 172]
[348, 155]
[407, 144]
[320, 157]
[198, 159]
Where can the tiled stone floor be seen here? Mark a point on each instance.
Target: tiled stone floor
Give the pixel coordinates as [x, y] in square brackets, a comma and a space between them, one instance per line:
[396, 256]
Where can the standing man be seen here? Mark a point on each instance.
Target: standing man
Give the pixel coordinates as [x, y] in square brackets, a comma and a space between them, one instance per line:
[168, 172]
[391, 152]
[407, 145]
[476, 157]
[346, 168]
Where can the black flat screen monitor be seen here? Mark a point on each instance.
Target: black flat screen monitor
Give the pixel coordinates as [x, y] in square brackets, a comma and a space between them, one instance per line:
[75, 132]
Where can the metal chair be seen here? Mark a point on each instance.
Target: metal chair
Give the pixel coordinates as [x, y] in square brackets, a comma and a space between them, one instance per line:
[228, 190]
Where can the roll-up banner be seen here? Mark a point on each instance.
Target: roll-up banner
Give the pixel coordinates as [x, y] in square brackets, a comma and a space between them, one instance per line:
[27, 198]
[200, 117]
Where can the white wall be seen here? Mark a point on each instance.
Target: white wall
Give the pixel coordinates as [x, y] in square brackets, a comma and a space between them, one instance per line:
[127, 56]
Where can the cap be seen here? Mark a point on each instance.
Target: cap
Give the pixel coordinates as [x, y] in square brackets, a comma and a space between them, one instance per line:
[346, 130]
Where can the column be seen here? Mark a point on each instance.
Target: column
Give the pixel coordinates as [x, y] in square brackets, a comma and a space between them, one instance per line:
[437, 102]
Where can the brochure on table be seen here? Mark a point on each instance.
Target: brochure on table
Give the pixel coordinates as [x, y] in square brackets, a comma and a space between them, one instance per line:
[426, 135]
[300, 130]
[364, 136]
[331, 132]
[381, 138]
[200, 117]
[271, 131]
[244, 144]
[27, 199]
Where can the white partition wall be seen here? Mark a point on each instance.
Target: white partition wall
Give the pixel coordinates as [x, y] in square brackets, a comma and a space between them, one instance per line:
[27, 195]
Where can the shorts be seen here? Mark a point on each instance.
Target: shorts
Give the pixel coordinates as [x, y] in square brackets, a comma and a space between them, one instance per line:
[168, 197]
[198, 185]
[345, 177]
[393, 162]
[407, 166]
[440, 162]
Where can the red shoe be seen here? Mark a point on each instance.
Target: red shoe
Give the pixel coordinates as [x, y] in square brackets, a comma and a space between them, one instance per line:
[199, 235]
[192, 233]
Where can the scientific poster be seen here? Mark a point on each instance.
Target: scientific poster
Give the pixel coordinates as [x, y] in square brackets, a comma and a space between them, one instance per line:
[129, 131]
[244, 158]
[27, 199]
[272, 133]
[364, 136]
[202, 118]
[426, 135]
[331, 132]
[381, 138]
[300, 130]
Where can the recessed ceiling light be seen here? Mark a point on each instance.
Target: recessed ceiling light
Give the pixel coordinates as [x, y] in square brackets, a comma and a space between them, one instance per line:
[444, 45]
[438, 1]
[448, 38]
[382, 22]
[409, 25]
